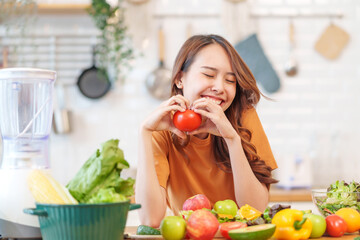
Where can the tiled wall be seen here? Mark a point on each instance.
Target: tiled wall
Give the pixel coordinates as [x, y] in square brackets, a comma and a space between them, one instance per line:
[315, 114]
[313, 117]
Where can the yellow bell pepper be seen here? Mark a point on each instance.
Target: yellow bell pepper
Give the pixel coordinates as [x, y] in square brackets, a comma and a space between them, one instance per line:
[290, 224]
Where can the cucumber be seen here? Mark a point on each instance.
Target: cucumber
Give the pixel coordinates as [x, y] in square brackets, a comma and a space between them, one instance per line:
[146, 230]
[258, 232]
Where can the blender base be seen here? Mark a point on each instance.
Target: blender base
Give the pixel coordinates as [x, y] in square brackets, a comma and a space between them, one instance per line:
[18, 231]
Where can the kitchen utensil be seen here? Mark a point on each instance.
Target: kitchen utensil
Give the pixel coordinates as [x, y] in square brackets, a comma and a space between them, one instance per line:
[236, 15]
[62, 116]
[189, 30]
[25, 119]
[158, 82]
[93, 82]
[252, 53]
[139, 28]
[332, 42]
[291, 67]
[5, 53]
[105, 221]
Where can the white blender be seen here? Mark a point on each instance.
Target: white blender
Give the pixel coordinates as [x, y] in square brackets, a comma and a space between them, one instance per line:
[25, 122]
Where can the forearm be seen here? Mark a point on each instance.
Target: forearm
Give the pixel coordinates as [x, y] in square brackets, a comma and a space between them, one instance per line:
[148, 192]
[248, 189]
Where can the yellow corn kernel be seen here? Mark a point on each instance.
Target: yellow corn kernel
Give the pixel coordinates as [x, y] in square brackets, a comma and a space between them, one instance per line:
[45, 189]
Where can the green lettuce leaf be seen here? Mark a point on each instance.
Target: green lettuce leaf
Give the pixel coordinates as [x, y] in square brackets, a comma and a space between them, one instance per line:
[101, 172]
[107, 195]
[340, 195]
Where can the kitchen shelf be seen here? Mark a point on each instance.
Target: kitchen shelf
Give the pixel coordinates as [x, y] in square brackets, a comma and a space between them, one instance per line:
[62, 8]
[291, 195]
[294, 13]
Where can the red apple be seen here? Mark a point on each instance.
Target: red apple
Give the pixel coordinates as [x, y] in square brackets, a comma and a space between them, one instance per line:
[202, 224]
[199, 201]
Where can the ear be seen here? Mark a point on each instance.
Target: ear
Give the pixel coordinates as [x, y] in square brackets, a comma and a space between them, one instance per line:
[179, 83]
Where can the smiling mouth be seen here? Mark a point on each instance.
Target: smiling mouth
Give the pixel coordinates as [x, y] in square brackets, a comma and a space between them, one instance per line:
[215, 100]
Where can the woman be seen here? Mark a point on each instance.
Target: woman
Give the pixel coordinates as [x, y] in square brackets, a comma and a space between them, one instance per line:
[227, 157]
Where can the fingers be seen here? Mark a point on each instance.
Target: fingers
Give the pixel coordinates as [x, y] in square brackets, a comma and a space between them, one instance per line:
[204, 103]
[203, 112]
[207, 108]
[180, 101]
[198, 130]
[179, 133]
[174, 108]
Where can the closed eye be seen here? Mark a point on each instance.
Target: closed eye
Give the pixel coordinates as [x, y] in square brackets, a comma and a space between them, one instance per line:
[230, 81]
[208, 75]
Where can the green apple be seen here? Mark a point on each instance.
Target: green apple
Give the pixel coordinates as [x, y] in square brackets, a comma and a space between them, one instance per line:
[318, 225]
[173, 227]
[227, 207]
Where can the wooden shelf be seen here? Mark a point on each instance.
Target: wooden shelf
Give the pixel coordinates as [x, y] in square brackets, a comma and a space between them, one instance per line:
[62, 8]
[293, 195]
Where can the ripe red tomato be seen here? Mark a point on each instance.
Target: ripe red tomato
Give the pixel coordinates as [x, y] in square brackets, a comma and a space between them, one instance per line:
[227, 226]
[335, 225]
[187, 121]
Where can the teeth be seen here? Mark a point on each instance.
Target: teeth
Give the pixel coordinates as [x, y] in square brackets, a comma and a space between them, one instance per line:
[218, 102]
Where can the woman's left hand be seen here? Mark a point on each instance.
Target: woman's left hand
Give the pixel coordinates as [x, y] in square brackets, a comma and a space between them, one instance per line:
[215, 122]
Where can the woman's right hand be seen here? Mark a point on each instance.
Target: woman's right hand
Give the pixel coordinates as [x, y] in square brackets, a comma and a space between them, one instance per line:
[161, 118]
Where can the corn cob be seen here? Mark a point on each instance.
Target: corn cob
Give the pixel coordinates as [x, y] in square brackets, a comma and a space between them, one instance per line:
[45, 189]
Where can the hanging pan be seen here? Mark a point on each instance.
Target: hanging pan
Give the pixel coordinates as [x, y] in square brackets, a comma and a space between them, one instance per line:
[158, 82]
[93, 82]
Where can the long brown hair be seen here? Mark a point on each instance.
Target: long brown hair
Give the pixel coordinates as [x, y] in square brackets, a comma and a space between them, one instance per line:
[247, 95]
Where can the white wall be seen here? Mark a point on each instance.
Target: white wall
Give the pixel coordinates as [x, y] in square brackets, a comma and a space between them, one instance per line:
[313, 116]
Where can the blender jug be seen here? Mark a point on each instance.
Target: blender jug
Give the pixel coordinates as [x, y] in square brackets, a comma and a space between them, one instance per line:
[25, 123]
[25, 117]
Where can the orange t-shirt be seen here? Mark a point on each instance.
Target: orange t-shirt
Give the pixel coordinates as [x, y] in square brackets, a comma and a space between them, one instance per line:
[182, 178]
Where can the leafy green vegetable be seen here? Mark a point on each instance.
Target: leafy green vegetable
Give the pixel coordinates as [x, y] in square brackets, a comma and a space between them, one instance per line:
[222, 219]
[256, 221]
[266, 217]
[107, 195]
[341, 186]
[98, 180]
[270, 212]
[340, 195]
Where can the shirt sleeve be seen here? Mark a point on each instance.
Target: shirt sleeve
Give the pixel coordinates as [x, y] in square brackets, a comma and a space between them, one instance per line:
[251, 121]
[160, 145]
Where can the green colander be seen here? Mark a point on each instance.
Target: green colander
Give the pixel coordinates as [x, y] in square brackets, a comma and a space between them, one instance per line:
[105, 221]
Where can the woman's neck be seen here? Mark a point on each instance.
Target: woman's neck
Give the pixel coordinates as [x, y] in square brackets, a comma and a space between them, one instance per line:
[202, 135]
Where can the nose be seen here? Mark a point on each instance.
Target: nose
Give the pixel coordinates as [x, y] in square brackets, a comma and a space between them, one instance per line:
[218, 85]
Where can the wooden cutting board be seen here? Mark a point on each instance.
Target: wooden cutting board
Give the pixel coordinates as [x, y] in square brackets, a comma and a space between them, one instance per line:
[131, 234]
[147, 237]
[332, 42]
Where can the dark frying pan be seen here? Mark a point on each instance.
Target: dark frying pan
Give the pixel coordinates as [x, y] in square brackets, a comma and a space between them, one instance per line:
[93, 82]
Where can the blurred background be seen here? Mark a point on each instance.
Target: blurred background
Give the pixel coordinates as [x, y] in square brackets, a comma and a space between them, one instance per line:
[308, 50]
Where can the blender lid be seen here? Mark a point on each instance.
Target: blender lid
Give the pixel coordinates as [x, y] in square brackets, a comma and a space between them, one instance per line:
[16, 73]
